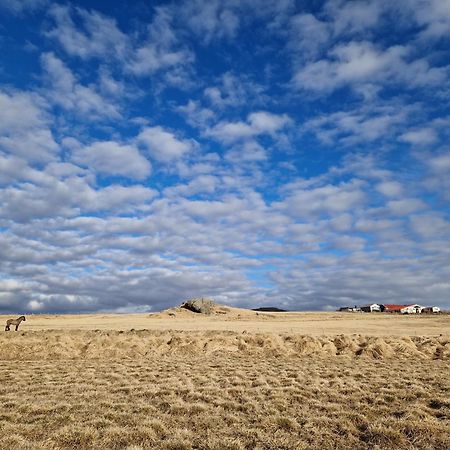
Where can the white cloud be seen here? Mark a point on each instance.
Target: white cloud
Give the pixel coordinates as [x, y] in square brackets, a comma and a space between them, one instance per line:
[69, 197]
[94, 36]
[422, 136]
[432, 15]
[357, 63]
[308, 35]
[113, 158]
[151, 58]
[210, 20]
[163, 145]
[196, 115]
[440, 163]
[327, 199]
[390, 188]
[222, 19]
[258, 123]
[20, 109]
[24, 126]
[162, 50]
[64, 90]
[430, 225]
[365, 124]
[22, 6]
[248, 151]
[354, 17]
[233, 91]
[405, 206]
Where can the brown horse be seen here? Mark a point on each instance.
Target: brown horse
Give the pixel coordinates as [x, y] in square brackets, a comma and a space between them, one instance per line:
[15, 322]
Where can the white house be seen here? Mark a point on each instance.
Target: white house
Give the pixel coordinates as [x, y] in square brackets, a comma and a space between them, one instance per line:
[432, 309]
[371, 308]
[412, 309]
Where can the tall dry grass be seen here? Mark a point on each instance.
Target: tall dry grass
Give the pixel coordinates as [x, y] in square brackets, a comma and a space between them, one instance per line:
[211, 390]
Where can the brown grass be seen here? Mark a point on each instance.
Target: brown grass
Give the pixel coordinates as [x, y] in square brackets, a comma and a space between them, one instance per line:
[170, 388]
[235, 319]
[222, 390]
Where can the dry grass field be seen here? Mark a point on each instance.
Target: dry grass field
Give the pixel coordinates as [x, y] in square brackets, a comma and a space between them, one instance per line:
[238, 380]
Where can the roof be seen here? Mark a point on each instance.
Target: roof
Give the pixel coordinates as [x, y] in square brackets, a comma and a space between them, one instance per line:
[395, 307]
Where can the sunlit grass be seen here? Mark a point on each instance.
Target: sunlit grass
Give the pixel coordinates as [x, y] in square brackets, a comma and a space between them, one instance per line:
[189, 398]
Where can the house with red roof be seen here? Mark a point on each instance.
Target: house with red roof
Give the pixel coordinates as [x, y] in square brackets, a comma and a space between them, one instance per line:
[404, 309]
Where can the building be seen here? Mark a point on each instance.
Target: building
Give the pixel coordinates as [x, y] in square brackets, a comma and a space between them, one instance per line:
[371, 308]
[349, 309]
[412, 309]
[404, 309]
[431, 309]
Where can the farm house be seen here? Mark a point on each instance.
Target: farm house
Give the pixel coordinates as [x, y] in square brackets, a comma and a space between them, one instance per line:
[372, 308]
[431, 310]
[404, 309]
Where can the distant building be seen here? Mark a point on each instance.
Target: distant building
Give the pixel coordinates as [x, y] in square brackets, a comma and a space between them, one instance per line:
[412, 309]
[431, 310]
[375, 307]
[349, 309]
[404, 309]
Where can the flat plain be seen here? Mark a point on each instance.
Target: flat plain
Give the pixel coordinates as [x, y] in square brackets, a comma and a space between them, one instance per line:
[233, 380]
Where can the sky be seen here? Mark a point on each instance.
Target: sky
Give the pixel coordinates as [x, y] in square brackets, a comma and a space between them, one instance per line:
[258, 152]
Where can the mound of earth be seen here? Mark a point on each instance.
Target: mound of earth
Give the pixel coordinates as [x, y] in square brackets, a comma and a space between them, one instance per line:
[204, 306]
[199, 305]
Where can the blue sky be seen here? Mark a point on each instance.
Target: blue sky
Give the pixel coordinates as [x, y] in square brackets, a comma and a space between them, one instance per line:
[259, 152]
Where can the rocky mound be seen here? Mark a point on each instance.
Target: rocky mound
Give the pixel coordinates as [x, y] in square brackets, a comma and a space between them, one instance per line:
[200, 305]
[203, 306]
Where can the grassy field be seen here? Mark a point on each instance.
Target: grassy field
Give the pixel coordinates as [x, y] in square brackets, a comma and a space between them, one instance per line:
[204, 386]
[234, 319]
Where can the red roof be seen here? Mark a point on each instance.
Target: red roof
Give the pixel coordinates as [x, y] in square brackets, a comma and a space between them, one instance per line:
[395, 307]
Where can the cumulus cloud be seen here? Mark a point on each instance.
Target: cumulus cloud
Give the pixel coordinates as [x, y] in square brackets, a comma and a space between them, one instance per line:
[258, 123]
[390, 188]
[422, 136]
[113, 158]
[98, 36]
[22, 6]
[325, 200]
[440, 163]
[64, 90]
[355, 63]
[25, 126]
[162, 49]
[365, 124]
[163, 145]
[355, 17]
[234, 91]
[308, 35]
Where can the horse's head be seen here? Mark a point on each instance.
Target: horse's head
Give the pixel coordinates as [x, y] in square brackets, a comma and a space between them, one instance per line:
[23, 318]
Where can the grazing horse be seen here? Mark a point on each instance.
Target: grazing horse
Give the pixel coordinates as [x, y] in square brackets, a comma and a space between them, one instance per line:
[15, 322]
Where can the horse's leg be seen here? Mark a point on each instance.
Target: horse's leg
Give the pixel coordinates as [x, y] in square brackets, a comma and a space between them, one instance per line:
[7, 328]
[17, 327]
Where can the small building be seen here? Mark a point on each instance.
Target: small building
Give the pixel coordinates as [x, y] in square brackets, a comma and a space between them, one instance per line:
[431, 310]
[375, 307]
[412, 309]
[404, 309]
[349, 309]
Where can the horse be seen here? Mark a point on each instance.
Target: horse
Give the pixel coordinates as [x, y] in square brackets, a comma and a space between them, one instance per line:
[15, 322]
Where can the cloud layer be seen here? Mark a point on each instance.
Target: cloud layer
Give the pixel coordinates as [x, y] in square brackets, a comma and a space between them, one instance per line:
[257, 152]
